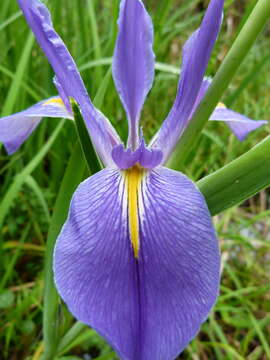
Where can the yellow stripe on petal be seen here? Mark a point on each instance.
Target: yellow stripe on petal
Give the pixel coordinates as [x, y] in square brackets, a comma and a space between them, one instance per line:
[55, 101]
[221, 105]
[134, 178]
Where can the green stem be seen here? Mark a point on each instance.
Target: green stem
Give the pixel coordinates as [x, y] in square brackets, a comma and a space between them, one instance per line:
[71, 335]
[228, 68]
[239, 180]
[73, 176]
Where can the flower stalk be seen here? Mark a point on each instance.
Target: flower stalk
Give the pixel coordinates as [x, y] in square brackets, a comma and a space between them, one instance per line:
[239, 50]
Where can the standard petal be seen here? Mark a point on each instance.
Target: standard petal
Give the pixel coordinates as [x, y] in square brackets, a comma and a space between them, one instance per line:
[240, 125]
[133, 62]
[196, 54]
[68, 77]
[138, 260]
[15, 129]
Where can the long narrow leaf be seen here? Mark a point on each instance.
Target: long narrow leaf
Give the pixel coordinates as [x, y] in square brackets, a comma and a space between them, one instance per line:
[72, 178]
[239, 180]
[19, 180]
[88, 149]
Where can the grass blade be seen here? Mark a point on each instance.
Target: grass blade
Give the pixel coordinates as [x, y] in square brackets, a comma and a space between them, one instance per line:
[19, 180]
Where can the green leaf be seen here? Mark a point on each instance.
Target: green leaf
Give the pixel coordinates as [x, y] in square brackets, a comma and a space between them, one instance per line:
[88, 149]
[20, 178]
[239, 180]
[72, 178]
[12, 95]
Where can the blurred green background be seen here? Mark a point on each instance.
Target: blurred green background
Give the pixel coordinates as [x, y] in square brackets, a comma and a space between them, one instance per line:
[239, 326]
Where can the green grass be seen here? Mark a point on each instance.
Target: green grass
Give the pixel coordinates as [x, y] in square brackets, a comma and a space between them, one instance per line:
[239, 326]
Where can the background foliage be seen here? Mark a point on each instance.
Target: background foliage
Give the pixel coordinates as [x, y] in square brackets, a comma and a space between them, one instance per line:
[239, 326]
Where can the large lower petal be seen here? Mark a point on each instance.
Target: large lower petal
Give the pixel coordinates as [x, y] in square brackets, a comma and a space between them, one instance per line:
[68, 77]
[133, 61]
[138, 260]
[196, 54]
[15, 129]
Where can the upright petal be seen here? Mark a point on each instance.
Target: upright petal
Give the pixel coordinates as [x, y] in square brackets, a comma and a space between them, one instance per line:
[240, 125]
[38, 18]
[133, 62]
[138, 260]
[196, 54]
[15, 129]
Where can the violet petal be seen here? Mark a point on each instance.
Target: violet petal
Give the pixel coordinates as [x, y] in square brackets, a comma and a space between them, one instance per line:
[240, 125]
[39, 19]
[133, 62]
[196, 54]
[151, 307]
[15, 129]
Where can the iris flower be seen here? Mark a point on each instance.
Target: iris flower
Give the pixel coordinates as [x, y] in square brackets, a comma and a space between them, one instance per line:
[138, 258]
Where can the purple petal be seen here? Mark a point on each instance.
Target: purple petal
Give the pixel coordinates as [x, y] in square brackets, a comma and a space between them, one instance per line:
[203, 89]
[196, 54]
[240, 125]
[133, 62]
[15, 129]
[149, 307]
[68, 77]
[62, 94]
[126, 158]
[150, 158]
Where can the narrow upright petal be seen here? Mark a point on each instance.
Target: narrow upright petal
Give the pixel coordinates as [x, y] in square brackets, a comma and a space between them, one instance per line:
[196, 54]
[15, 129]
[138, 260]
[240, 125]
[133, 62]
[68, 77]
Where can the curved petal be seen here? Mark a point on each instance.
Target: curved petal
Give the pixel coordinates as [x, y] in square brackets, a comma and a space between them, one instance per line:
[196, 54]
[203, 89]
[240, 125]
[138, 260]
[133, 62]
[38, 18]
[126, 158]
[62, 94]
[15, 129]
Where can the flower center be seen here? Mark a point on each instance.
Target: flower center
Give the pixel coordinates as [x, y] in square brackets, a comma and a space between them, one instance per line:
[134, 178]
